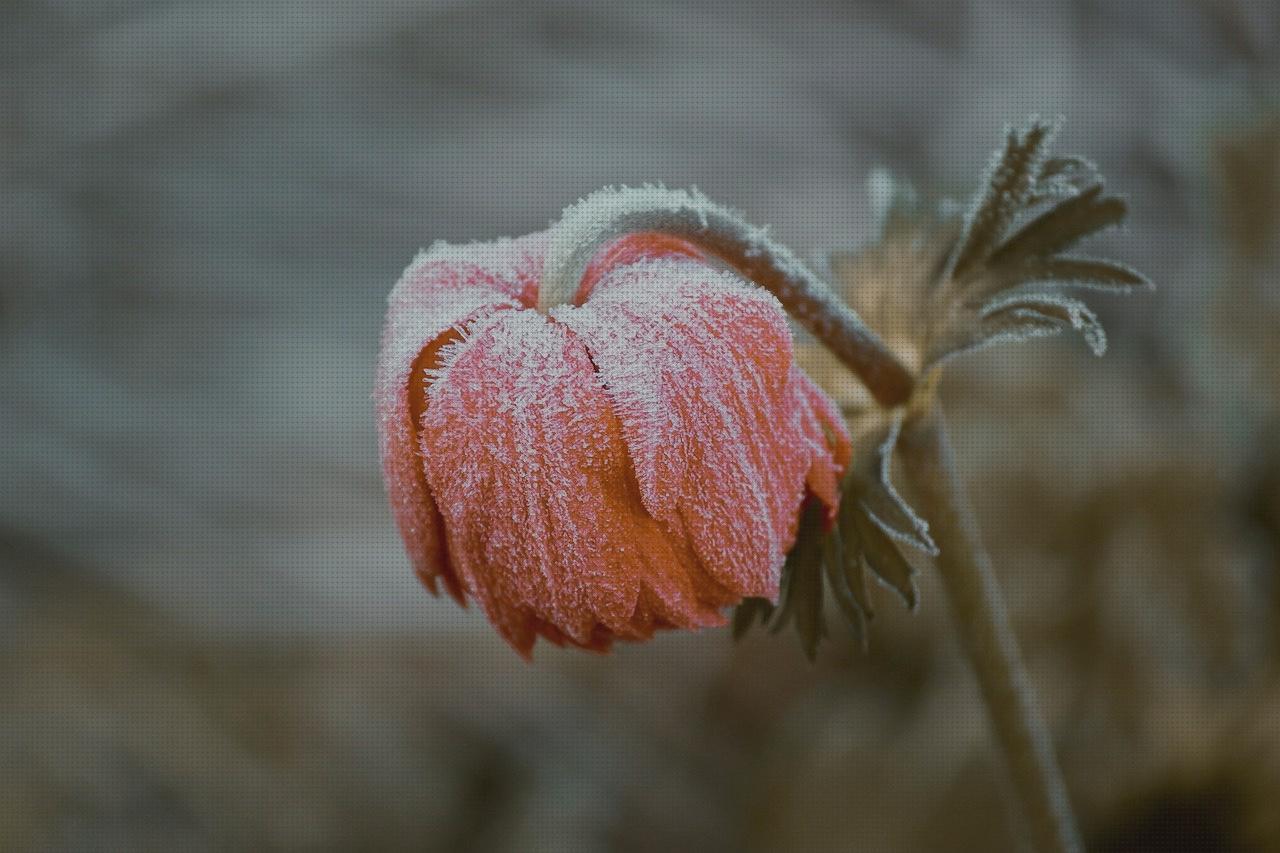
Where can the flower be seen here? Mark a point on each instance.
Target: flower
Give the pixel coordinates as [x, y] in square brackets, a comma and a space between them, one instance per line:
[634, 460]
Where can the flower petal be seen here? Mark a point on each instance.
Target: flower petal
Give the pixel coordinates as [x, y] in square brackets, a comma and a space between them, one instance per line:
[544, 518]
[698, 365]
[831, 449]
[637, 246]
[444, 288]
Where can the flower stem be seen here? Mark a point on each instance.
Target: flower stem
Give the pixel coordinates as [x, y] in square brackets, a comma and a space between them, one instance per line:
[608, 214]
[976, 601]
[982, 620]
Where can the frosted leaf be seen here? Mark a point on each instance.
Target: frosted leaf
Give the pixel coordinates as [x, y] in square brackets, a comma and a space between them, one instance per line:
[872, 485]
[1014, 326]
[886, 561]
[1005, 271]
[1089, 273]
[848, 583]
[1068, 168]
[893, 202]
[1062, 226]
[1040, 275]
[1063, 177]
[1011, 179]
[1057, 307]
[802, 582]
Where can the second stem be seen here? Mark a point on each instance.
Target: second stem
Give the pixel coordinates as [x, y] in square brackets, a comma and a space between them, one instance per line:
[982, 620]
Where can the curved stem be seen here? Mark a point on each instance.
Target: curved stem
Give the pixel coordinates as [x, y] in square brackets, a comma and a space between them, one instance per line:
[982, 619]
[976, 600]
[611, 213]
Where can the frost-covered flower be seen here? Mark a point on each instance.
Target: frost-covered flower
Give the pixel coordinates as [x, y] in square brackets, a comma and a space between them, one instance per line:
[632, 461]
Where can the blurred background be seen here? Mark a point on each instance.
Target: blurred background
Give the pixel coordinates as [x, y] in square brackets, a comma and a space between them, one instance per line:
[210, 638]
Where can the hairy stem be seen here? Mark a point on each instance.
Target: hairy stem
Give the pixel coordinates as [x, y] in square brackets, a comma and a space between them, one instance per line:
[982, 619]
[606, 215]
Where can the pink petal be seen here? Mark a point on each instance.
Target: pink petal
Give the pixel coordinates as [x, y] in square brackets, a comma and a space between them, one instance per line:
[445, 287]
[544, 517]
[827, 436]
[698, 366]
[638, 246]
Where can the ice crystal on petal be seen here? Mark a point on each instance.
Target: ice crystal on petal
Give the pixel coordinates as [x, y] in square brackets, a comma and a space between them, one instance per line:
[697, 366]
[444, 288]
[528, 465]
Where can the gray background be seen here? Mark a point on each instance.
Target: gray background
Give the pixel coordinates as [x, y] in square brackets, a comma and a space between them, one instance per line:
[212, 638]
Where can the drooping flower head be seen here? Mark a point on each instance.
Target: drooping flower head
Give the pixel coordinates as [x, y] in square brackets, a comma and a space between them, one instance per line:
[635, 459]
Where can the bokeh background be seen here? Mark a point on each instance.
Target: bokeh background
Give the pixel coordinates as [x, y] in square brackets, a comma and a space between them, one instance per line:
[210, 638]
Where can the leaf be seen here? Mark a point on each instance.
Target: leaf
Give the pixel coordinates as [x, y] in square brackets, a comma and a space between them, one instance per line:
[882, 555]
[854, 567]
[841, 558]
[748, 613]
[1063, 177]
[1014, 325]
[1090, 273]
[856, 608]
[1054, 306]
[939, 282]
[871, 483]
[1065, 167]
[1012, 180]
[802, 581]
[1061, 227]
[1061, 272]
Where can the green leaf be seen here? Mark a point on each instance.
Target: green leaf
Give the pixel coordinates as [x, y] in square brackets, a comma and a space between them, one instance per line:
[1055, 167]
[802, 580]
[1063, 177]
[748, 613]
[1012, 180]
[1064, 309]
[1013, 326]
[934, 281]
[882, 555]
[856, 612]
[1090, 273]
[854, 567]
[870, 483]
[1061, 227]
[1056, 272]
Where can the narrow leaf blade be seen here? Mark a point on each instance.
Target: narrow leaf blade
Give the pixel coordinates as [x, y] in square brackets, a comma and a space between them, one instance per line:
[1061, 227]
[834, 562]
[748, 613]
[884, 558]
[1012, 181]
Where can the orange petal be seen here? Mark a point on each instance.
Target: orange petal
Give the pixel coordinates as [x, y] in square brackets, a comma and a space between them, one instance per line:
[824, 428]
[637, 246]
[445, 287]
[697, 364]
[544, 518]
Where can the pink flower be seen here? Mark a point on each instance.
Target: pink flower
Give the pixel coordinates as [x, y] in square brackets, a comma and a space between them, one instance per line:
[631, 462]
